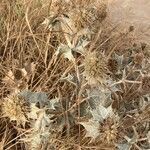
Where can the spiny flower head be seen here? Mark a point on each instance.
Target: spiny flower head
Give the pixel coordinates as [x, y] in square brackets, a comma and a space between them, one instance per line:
[15, 108]
[109, 130]
[95, 66]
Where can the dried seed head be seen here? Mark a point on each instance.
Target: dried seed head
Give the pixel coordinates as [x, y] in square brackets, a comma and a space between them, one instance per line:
[88, 15]
[109, 130]
[112, 65]
[145, 87]
[15, 108]
[131, 28]
[95, 68]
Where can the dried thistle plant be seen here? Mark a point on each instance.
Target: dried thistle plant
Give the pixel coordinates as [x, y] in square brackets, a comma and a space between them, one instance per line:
[96, 69]
[30, 58]
[90, 15]
[38, 136]
[109, 130]
[15, 108]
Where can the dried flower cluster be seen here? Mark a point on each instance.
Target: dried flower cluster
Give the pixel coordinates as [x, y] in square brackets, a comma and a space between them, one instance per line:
[70, 78]
[96, 70]
[109, 130]
[16, 108]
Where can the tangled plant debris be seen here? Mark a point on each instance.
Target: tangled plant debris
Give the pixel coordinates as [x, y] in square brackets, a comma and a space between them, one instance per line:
[73, 76]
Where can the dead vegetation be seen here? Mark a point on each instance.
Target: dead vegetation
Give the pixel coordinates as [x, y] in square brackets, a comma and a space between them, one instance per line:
[70, 79]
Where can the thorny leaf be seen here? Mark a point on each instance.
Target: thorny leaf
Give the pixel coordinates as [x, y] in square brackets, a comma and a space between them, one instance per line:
[66, 51]
[53, 103]
[101, 95]
[51, 22]
[34, 111]
[35, 97]
[98, 115]
[39, 134]
[80, 47]
[66, 24]
[92, 128]
[72, 36]
[123, 146]
[42, 121]
[41, 98]
[101, 113]
[69, 78]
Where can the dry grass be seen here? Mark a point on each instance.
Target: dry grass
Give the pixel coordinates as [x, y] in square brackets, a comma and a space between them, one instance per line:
[61, 48]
